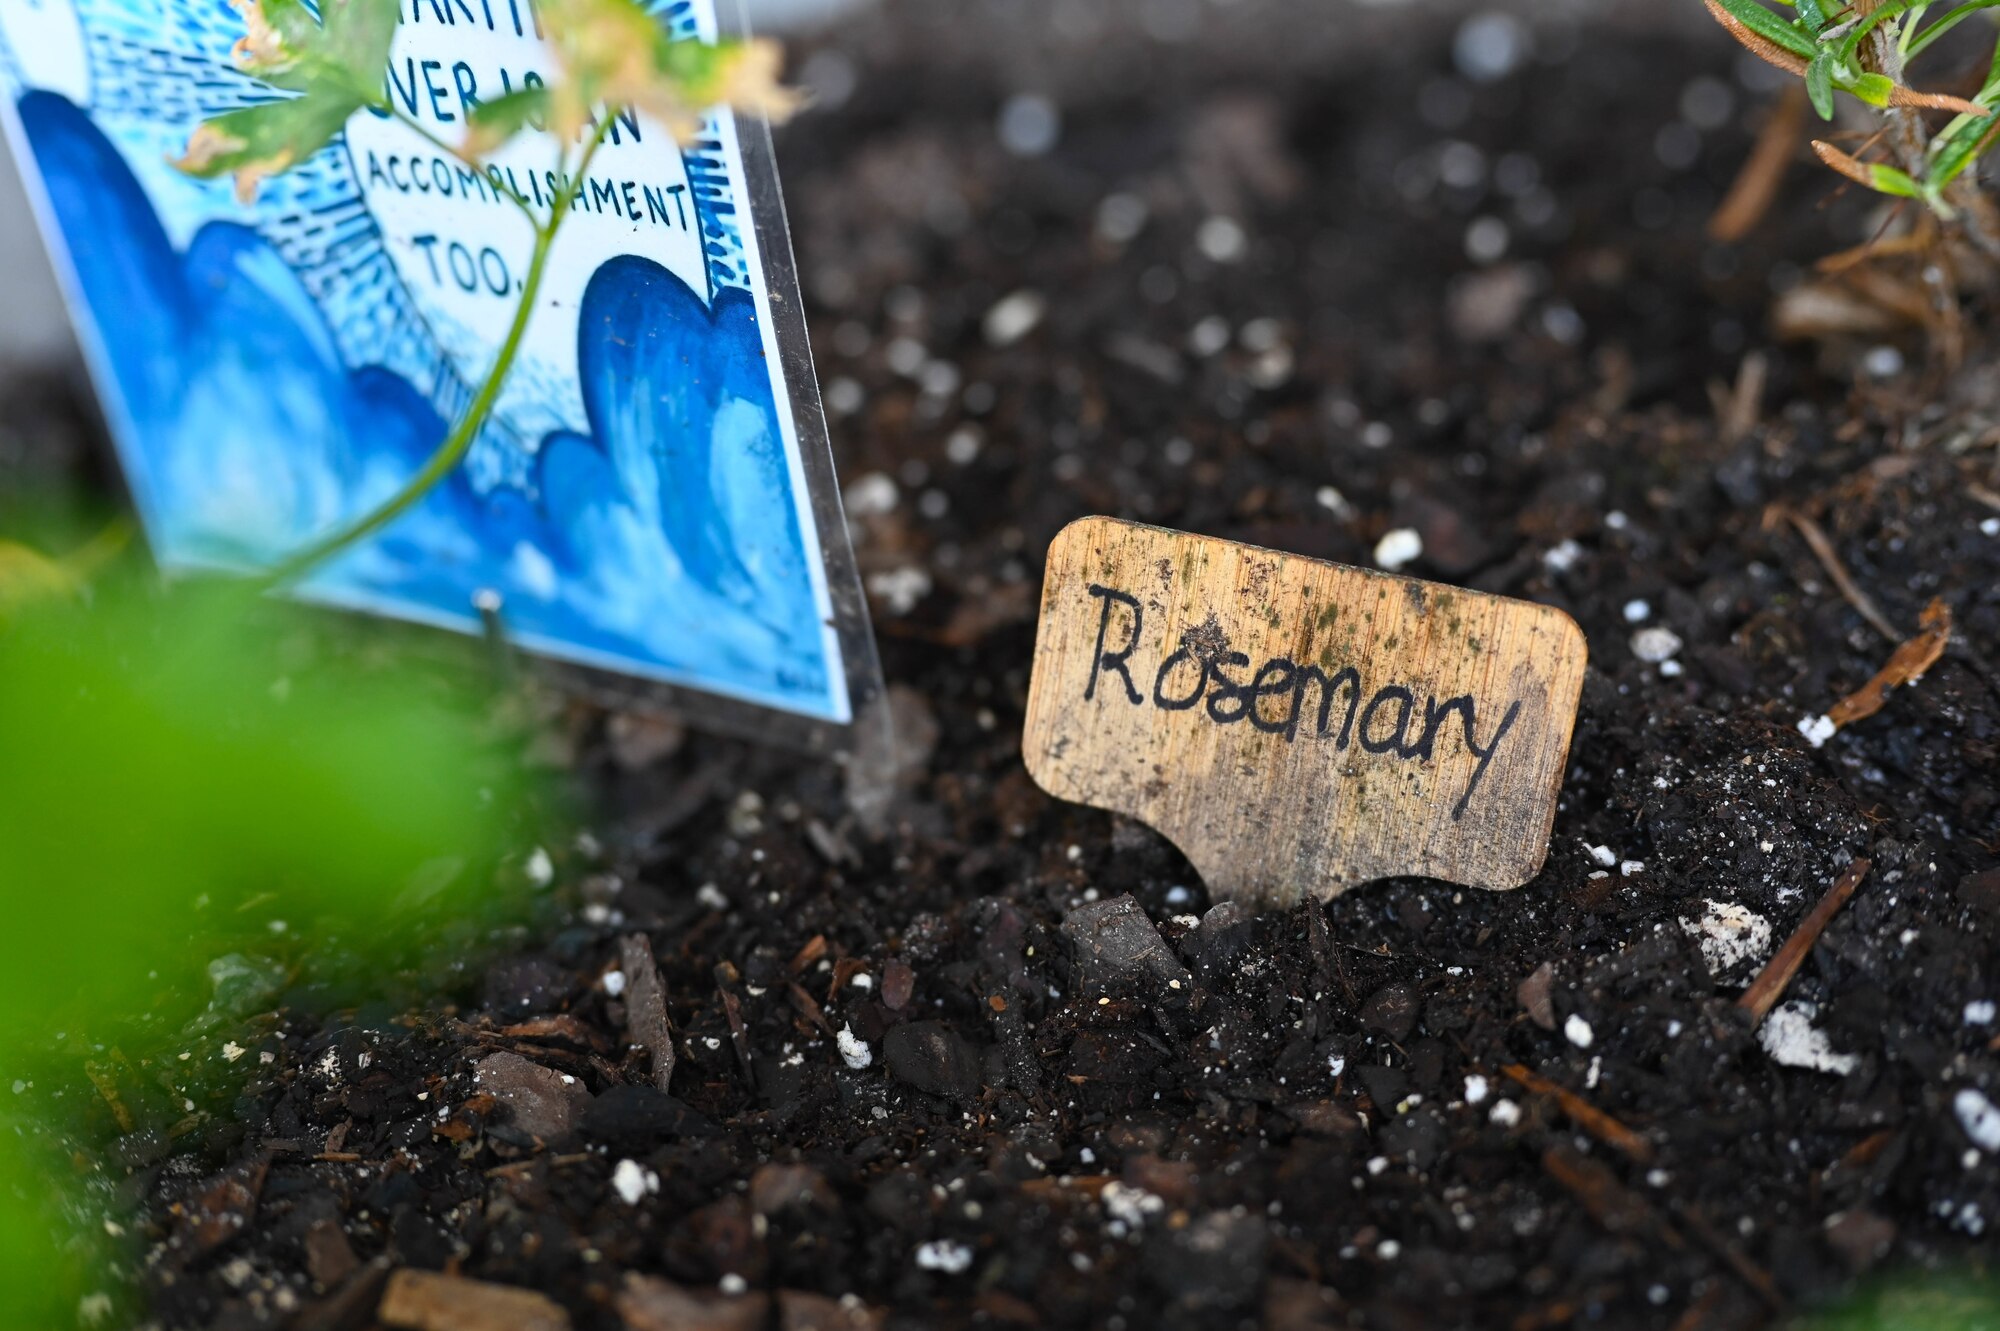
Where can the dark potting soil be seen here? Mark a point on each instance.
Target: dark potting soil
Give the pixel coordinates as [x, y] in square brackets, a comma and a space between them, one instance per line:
[985, 1058]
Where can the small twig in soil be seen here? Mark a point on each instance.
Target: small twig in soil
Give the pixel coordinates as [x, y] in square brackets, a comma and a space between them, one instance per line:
[1700, 1310]
[1585, 1114]
[1770, 984]
[1906, 665]
[809, 1009]
[1829, 560]
[814, 949]
[1756, 185]
[1737, 408]
[1858, 1157]
[106, 1081]
[1880, 246]
[739, 1038]
[1610, 1203]
[845, 969]
[1751, 1274]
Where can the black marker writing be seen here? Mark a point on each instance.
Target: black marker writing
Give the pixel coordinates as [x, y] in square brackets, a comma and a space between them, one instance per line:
[1280, 695]
[1103, 660]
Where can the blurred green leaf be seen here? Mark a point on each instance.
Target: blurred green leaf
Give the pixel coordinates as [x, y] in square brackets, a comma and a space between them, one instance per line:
[203, 792]
[617, 54]
[260, 141]
[1929, 1301]
[1886, 179]
[492, 123]
[240, 985]
[292, 21]
[28, 576]
[356, 41]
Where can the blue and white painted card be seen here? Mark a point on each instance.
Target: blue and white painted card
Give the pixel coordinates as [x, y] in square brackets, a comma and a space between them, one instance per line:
[652, 499]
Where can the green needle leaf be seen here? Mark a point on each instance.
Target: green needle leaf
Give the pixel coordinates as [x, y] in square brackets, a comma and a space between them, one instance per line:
[1961, 144]
[1871, 88]
[1888, 180]
[1852, 42]
[1951, 20]
[1771, 28]
[1819, 84]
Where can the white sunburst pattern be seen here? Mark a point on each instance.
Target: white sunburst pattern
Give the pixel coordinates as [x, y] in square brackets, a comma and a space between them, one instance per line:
[158, 68]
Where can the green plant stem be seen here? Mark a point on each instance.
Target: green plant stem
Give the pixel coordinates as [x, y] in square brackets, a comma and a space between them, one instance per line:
[416, 127]
[1909, 143]
[452, 451]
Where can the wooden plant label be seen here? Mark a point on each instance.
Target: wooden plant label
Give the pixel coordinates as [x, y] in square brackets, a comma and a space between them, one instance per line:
[1298, 726]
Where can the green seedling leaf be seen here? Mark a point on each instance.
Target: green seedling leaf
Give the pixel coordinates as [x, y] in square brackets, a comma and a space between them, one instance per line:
[259, 141]
[1874, 89]
[295, 26]
[491, 124]
[1886, 179]
[1813, 16]
[277, 41]
[1960, 146]
[1770, 27]
[356, 43]
[614, 53]
[1819, 84]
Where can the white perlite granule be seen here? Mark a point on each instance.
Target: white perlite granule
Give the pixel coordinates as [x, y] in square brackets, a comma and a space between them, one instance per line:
[1980, 1119]
[1131, 1205]
[1656, 645]
[944, 1255]
[1579, 1032]
[632, 1181]
[1817, 729]
[854, 1050]
[1013, 317]
[1730, 935]
[1789, 1037]
[1398, 548]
